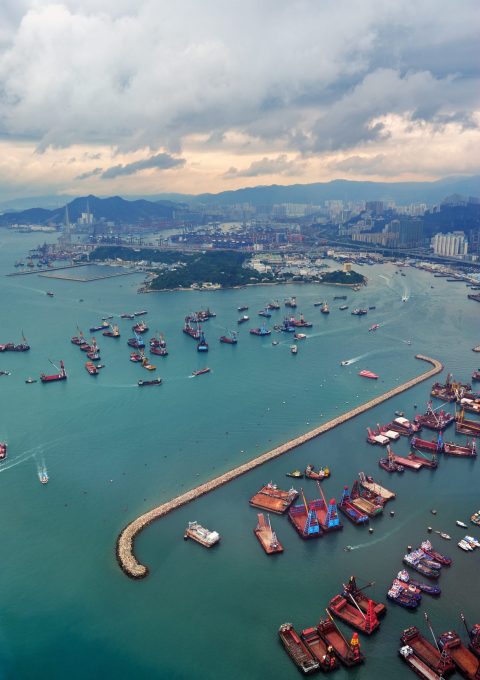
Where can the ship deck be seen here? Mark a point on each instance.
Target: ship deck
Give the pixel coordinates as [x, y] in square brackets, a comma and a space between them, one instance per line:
[272, 500]
[386, 494]
[367, 507]
[406, 462]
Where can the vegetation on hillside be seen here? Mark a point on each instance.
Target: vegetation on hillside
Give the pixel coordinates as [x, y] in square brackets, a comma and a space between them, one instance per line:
[350, 278]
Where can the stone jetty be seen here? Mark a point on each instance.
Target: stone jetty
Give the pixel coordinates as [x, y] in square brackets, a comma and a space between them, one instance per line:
[125, 542]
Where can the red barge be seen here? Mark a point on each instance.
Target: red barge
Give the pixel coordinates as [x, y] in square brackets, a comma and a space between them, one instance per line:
[266, 536]
[62, 375]
[349, 653]
[304, 518]
[435, 421]
[464, 426]
[350, 614]
[428, 653]
[273, 499]
[466, 662]
[352, 589]
[322, 651]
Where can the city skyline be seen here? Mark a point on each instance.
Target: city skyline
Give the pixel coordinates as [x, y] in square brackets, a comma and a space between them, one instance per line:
[144, 98]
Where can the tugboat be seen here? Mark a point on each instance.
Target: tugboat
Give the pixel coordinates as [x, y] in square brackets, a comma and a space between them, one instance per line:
[61, 375]
[3, 450]
[296, 649]
[325, 309]
[262, 331]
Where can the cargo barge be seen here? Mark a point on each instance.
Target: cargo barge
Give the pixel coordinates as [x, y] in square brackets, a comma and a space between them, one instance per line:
[450, 390]
[464, 426]
[304, 518]
[360, 500]
[266, 536]
[426, 462]
[407, 654]
[352, 589]
[349, 653]
[404, 426]
[273, 499]
[296, 649]
[61, 375]
[322, 652]
[352, 615]
[371, 485]
[435, 421]
[353, 513]
[426, 652]
[474, 636]
[407, 462]
[465, 661]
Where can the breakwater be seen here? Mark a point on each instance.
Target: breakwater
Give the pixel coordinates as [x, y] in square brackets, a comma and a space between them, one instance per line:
[126, 539]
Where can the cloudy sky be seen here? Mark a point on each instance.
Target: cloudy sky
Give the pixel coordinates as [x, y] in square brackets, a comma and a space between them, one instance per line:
[149, 96]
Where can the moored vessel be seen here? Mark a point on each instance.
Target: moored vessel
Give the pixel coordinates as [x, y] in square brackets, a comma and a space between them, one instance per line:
[201, 371]
[148, 383]
[407, 654]
[266, 536]
[91, 368]
[320, 649]
[465, 661]
[297, 651]
[349, 653]
[61, 375]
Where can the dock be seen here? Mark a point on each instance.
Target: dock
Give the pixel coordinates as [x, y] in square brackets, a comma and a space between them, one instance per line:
[126, 539]
[272, 499]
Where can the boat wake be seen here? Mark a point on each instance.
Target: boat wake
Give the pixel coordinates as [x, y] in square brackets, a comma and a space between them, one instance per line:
[26, 455]
[41, 468]
[381, 538]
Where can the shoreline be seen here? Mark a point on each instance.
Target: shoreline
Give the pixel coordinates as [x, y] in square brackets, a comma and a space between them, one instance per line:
[126, 539]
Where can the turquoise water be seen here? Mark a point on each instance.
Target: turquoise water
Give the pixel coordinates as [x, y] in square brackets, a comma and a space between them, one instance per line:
[113, 451]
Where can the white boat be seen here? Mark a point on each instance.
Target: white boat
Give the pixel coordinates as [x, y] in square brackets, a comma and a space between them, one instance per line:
[464, 545]
[201, 535]
[475, 543]
[43, 477]
[461, 524]
[293, 349]
[404, 298]
[442, 534]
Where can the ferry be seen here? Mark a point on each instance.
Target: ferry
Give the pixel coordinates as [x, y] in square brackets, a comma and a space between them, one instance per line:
[146, 383]
[3, 450]
[91, 368]
[200, 372]
[368, 374]
[201, 535]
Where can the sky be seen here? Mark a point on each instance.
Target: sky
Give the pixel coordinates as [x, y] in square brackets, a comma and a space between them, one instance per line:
[139, 97]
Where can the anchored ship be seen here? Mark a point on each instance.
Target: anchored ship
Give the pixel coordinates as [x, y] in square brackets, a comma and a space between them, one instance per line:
[201, 535]
[61, 375]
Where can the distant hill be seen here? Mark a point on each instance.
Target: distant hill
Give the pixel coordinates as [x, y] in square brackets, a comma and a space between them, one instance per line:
[116, 209]
[346, 190]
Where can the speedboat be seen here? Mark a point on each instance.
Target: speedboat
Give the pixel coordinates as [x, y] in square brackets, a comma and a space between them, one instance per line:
[461, 524]
[345, 363]
[43, 477]
[29, 381]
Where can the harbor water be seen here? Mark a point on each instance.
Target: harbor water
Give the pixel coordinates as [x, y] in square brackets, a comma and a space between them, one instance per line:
[113, 451]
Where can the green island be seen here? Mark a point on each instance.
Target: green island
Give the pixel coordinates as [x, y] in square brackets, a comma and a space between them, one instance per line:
[351, 278]
[172, 270]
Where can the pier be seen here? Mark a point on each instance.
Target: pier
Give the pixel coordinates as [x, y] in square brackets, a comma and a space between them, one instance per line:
[126, 539]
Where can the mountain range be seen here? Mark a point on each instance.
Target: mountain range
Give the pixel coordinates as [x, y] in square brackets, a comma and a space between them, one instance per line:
[163, 205]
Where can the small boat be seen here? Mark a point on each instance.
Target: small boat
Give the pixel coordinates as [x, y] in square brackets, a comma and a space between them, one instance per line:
[443, 535]
[5, 373]
[461, 524]
[404, 298]
[49, 293]
[374, 327]
[400, 414]
[293, 349]
[127, 316]
[29, 381]
[243, 308]
[322, 473]
[343, 307]
[3, 450]
[372, 307]
[345, 363]
[474, 542]
[275, 342]
[299, 336]
[140, 313]
[43, 477]
[297, 474]
[368, 374]
[464, 545]
[243, 318]
[146, 383]
[201, 371]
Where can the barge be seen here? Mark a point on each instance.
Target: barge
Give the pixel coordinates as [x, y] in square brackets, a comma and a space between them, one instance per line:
[266, 536]
[464, 426]
[435, 421]
[353, 513]
[304, 518]
[465, 661]
[297, 650]
[201, 535]
[404, 426]
[352, 615]
[417, 665]
[426, 652]
[320, 649]
[349, 653]
[61, 375]
[371, 485]
[352, 589]
[273, 499]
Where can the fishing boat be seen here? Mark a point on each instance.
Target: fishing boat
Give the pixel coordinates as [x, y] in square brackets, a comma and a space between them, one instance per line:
[293, 349]
[349, 653]
[429, 588]
[322, 652]
[202, 345]
[407, 654]
[201, 535]
[297, 474]
[30, 381]
[3, 450]
[61, 375]
[325, 309]
[266, 536]
[243, 319]
[262, 331]
[400, 594]
[230, 339]
[428, 549]
[465, 661]
[474, 542]
[296, 649]
[147, 383]
[201, 371]
[91, 368]
[368, 374]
